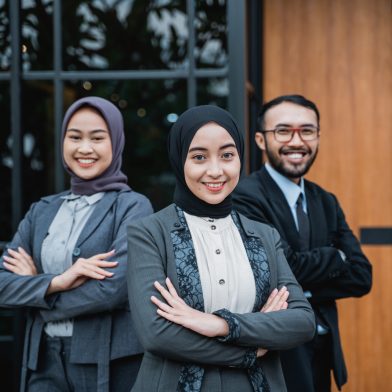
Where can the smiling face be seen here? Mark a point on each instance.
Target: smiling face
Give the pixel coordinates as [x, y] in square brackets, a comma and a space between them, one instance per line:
[87, 147]
[292, 159]
[212, 166]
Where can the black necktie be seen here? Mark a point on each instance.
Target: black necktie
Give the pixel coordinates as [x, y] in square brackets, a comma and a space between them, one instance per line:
[303, 224]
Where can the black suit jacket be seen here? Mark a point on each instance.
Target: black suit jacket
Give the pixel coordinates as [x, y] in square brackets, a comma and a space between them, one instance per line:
[321, 269]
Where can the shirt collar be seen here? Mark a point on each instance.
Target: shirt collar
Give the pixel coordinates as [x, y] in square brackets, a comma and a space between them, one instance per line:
[92, 199]
[290, 190]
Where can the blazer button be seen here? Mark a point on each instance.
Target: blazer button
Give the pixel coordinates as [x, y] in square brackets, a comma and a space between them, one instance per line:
[213, 227]
[218, 251]
[76, 252]
[251, 232]
[222, 281]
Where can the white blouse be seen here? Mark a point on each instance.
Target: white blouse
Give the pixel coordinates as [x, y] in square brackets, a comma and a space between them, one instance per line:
[226, 275]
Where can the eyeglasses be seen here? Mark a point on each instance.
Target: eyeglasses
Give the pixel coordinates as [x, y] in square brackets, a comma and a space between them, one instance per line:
[285, 134]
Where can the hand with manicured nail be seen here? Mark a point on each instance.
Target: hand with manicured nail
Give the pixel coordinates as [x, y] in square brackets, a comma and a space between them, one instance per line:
[276, 301]
[19, 262]
[81, 271]
[177, 311]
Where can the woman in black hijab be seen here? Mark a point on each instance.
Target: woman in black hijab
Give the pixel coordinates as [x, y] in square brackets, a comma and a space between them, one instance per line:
[180, 138]
[67, 264]
[210, 291]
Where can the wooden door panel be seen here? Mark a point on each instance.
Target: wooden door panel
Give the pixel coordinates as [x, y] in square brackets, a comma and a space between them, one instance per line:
[339, 54]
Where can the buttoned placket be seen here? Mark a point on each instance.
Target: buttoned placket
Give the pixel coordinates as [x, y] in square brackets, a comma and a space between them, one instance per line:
[218, 261]
[74, 206]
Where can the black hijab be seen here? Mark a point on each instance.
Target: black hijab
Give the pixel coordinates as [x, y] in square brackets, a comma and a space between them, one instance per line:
[112, 178]
[179, 140]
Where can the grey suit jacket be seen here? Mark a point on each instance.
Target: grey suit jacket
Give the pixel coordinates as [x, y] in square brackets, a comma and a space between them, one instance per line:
[169, 346]
[102, 322]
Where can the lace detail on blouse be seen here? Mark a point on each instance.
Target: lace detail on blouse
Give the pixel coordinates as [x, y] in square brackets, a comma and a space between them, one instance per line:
[191, 375]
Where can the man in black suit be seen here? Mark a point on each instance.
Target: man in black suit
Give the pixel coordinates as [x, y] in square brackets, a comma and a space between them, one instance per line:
[322, 251]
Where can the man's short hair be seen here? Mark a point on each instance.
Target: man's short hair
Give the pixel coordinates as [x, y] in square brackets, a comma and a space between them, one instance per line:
[297, 99]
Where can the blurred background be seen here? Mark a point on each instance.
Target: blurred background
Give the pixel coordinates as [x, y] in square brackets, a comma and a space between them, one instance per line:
[155, 58]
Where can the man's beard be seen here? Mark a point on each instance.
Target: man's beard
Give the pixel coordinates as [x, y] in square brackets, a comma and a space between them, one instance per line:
[291, 172]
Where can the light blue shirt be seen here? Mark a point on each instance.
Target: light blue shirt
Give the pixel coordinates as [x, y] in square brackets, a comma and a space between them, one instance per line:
[290, 190]
[60, 242]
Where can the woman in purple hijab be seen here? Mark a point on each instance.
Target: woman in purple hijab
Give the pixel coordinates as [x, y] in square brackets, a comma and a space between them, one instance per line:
[67, 264]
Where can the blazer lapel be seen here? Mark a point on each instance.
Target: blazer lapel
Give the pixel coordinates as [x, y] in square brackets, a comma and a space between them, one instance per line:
[189, 287]
[257, 257]
[282, 218]
[186, 264]
[43, 223]
[318, 223]
[98, 215]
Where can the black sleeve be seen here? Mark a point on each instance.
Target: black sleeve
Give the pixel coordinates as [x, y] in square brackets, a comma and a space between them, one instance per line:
[321, 270]
[311, 268]
[356, 279]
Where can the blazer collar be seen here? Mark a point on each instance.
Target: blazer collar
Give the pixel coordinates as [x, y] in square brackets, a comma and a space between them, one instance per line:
[290, 190]
[275, 196]
[177, 223]
[98, 215]
[54, 202]
[276, 199]
[247, 225]
[285, 220]
[170, 215]
[43, 222]
[317, 219]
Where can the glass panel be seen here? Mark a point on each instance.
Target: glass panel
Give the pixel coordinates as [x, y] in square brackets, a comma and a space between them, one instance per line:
[211, 34]
[213, 91]
[5, 163]
[38, 141]
[5, 43]
[149, 108]
[37, 34]
[124, 34]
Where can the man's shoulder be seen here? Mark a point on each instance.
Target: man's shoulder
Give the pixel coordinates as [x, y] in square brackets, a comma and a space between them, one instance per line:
[166, 217]
[130, 197]
[252, 180]
[317, 190]
[51, 198]
[44, 202]
[251, 225]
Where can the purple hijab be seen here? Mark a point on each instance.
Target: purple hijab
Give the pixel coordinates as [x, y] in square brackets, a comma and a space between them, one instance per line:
[112, 179]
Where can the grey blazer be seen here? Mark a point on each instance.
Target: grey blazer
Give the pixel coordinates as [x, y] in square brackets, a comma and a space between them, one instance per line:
[102, 324]
[156, 249]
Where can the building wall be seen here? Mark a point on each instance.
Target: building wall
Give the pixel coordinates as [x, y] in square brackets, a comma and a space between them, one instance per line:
[338, 53]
